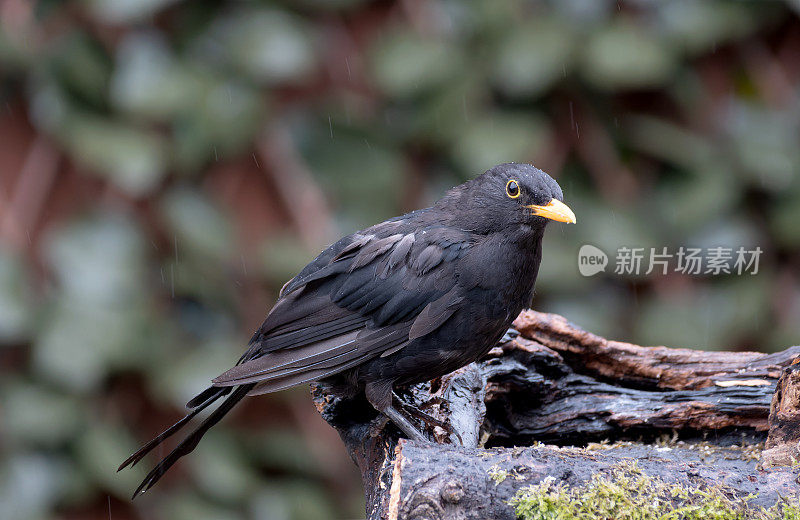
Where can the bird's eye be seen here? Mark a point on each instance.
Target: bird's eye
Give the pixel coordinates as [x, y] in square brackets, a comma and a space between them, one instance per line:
[512, 189]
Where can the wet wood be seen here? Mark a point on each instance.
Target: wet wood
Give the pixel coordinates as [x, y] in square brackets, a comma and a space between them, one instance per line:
[783, 442]
[651, 367]
[443, 482]
[549, 381]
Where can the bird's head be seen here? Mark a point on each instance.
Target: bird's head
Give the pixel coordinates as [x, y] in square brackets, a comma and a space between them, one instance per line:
[510, 194]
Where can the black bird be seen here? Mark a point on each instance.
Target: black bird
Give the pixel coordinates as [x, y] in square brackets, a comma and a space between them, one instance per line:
[401, 302]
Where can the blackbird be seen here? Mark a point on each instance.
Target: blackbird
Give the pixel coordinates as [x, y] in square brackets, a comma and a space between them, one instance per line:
[404, 301]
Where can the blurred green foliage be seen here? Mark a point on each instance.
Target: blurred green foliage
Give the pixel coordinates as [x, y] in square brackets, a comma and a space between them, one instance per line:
[666, 123]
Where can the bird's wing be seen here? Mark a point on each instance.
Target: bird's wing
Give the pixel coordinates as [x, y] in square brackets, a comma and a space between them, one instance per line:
[368, 295]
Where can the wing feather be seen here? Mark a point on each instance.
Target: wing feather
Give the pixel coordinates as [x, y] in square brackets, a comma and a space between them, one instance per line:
[435, 314]
[368, 295]
[276, 364]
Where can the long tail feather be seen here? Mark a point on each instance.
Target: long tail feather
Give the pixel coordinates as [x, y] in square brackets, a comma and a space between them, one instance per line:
[208, 399]
[190, 442]
[204, 396]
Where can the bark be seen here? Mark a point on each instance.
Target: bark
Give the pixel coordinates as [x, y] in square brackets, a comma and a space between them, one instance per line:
[783, 442]
[549, 381]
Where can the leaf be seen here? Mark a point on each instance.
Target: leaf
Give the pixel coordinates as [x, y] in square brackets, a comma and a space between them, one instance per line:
[34, 415]
[100, 317]
[30, 485]
[784, 216]
[700, 26]
[764, 142]
[623, 55]
[16, 305]
[132, 158]
[196, 224]
[150, 82]
[222, 470]
[125, 11]
[98, 259]
[359, 173]
[271, 46]
[498, 138]
[100, 449]
[79, 343]
[406, 65]
[83, 68]
[533, 56]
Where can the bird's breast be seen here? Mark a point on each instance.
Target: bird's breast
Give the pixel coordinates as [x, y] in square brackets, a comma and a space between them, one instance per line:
[503, 266]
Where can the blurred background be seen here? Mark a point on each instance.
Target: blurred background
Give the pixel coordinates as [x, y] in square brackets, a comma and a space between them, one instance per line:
[165, 166]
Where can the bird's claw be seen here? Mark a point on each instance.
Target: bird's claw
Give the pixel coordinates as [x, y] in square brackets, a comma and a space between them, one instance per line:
[510, 335]
[377, 425]
[431, 421]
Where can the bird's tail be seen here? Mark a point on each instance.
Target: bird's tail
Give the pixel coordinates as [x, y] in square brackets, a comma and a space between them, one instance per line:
[199, 403]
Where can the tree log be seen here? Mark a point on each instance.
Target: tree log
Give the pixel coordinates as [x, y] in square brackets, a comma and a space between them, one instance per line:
[697, 417]
[783, 442]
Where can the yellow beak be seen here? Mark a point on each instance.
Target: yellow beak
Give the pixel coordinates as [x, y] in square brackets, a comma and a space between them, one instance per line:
[554, 210]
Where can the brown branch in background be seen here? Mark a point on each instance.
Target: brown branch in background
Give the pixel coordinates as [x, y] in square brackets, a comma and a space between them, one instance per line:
[768, 74]
[333, 465]
[421, 16]
[303, 199]
[343, 59]
[596, 148]
[785, 305]
[18, 21]
[554, 155]
[25, 202]
[788, 56]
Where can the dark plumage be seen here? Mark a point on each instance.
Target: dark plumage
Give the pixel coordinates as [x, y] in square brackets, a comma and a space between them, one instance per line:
[401, 302]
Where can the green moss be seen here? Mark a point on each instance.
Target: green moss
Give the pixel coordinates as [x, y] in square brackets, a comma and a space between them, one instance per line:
[745, 451]
[629, 494]
[789, 509]
[497, 474]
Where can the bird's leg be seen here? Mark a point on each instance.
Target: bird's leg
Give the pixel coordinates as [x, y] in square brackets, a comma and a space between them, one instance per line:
[380, 396]
[402, 422]
[419, 414]
[430, 420]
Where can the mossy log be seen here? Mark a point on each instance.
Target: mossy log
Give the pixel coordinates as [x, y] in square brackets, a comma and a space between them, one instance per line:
[687, 417]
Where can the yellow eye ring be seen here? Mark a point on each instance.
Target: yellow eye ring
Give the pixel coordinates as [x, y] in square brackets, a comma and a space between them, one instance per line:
[512, 189]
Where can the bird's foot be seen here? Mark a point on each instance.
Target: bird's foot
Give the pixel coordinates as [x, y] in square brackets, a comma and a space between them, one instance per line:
[510, 335]
[402, 422]
[431, 402]
[377, 425]
[422, 416]
[428, 419]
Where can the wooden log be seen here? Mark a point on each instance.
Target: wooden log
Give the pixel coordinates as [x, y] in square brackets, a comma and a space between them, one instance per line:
[549, 381]
[442, 482]
[562, 406]
[651, 367]
[783, 442]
